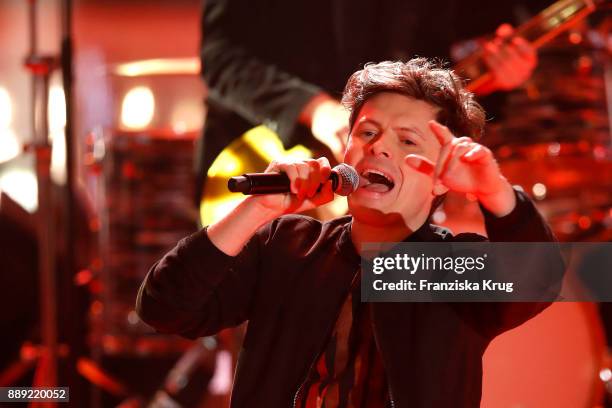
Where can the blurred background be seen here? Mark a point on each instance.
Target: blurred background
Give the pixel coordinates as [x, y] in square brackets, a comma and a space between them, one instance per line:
[81, 226]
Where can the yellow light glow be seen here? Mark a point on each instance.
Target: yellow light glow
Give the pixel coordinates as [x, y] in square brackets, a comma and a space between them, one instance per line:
[227, 164]
[269, 147]
[214, 210]
[298, 152]
[160, 66]
[137, 108]
[338, 207]
[265, 142]
[6, 108]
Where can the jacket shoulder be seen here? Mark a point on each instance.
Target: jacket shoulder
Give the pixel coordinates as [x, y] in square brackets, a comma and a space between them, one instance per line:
[297, 227]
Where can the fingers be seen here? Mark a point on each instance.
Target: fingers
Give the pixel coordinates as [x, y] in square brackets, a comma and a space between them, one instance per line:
[445, 137]
[319, 192]
[525, 50]
[477, 154]
[459, 149]
[324, 168]
[453, 151]
[323, 196]
[305, 176]
[511, 60]
[420, 163]
[504, 31]
[322, 192]
[448, 143]
[451, 155]
[504, 63]
[290, 169]
[441, 132]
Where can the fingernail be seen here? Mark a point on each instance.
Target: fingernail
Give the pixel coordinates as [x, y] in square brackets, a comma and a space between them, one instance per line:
[413, 161]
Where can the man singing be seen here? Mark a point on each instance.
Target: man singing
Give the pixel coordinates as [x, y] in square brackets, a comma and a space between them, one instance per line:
[310, 342]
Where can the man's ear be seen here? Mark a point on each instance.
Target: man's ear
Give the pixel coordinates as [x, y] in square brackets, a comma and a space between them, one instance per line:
[439, 188]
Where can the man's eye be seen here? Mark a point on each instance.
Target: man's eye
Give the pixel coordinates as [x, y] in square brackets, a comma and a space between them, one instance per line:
[408, 142]
[368, 133]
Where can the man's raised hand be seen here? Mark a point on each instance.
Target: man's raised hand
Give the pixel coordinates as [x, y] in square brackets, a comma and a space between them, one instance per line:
[465, 166]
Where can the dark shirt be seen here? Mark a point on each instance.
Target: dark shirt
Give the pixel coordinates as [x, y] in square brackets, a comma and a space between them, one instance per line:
[349, 373]
[290, 281]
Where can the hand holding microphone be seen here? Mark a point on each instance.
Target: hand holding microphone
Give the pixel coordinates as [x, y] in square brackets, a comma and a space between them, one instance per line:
[285, 187]
[311, 183]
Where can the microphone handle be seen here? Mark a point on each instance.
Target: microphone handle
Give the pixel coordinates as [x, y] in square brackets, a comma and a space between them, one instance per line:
[267, 183]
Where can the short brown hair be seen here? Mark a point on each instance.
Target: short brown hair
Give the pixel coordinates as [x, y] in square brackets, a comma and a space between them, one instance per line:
[422, 79]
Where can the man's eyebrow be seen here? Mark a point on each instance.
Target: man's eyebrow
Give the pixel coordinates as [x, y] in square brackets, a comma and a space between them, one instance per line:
[411, 129]
[371, 121]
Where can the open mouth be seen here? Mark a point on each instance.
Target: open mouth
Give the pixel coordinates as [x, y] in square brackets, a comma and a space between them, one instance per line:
[376, 181]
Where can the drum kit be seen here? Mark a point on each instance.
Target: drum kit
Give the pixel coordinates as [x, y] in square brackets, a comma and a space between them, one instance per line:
[555, 142]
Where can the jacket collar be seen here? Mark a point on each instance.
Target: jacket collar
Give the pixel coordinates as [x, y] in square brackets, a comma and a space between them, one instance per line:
[425, 233]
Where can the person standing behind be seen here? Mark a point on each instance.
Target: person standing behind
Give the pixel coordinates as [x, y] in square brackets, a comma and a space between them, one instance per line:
[284, 64]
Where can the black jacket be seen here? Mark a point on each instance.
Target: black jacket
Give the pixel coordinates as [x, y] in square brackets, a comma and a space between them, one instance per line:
[290, 281]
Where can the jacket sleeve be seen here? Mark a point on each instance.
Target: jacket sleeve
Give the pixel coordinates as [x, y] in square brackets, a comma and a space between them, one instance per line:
[196, 289]
[239, 80]
[523, 224]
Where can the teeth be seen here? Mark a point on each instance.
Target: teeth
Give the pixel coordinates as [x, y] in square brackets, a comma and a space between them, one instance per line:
[368, 171]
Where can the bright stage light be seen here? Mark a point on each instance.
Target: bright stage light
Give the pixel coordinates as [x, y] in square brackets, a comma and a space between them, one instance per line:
[57, 109]
[187, 116]
[21, 186]
[159, 66]
[539, 191]
[6, 108]
[57, 126]
[137, 108]
[9, 145]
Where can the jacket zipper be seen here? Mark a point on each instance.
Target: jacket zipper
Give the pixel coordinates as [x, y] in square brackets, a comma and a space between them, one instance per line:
[314, 361]
[391, 400]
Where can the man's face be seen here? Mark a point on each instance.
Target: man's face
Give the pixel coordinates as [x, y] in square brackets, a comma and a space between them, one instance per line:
[389, 127]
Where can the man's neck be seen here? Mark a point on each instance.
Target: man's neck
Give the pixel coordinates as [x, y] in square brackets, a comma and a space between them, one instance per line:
[363, 232]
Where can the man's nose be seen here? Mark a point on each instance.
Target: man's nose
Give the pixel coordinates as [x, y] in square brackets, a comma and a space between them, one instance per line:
[379, 146]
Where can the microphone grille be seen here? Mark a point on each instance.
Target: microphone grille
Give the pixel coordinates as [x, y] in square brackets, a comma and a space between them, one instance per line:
[348, 179]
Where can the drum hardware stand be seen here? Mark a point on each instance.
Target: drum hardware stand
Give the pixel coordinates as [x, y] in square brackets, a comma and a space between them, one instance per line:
[45, 356]
[179, 376]
[91, 370]
[41, 68]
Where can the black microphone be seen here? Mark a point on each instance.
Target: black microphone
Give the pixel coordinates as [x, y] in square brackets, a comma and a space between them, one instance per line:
[344, 180]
